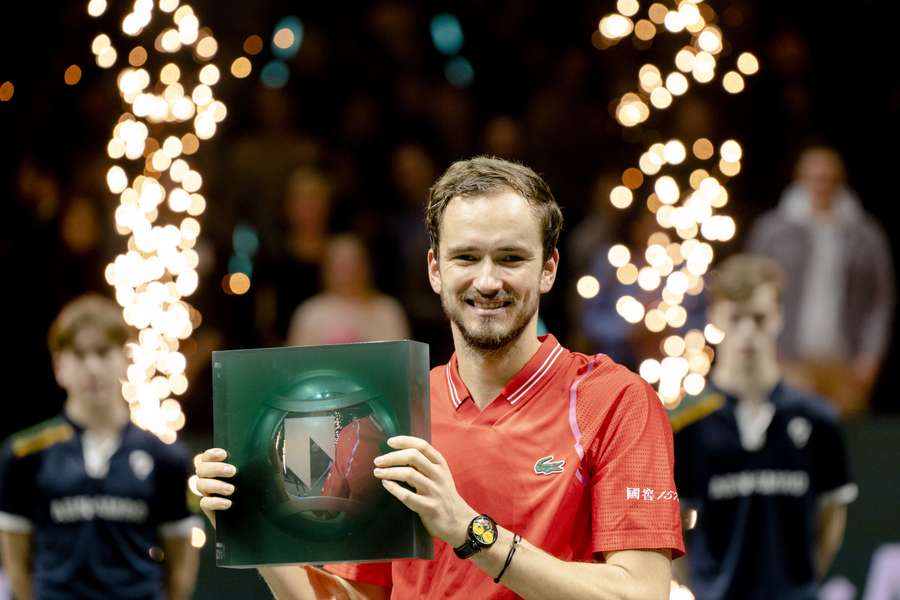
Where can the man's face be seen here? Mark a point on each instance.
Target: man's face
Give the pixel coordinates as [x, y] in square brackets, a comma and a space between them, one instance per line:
[751, 327]
[93, 367]
[490, 272]
[822, 175]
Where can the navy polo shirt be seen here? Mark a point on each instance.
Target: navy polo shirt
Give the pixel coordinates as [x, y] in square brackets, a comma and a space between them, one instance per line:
[95, 535]
[756, 521]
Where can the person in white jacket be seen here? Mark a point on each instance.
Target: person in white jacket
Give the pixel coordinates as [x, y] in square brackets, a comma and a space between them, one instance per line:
[840, 292]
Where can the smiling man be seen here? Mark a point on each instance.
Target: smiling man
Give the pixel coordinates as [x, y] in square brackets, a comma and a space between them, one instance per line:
[550, 473]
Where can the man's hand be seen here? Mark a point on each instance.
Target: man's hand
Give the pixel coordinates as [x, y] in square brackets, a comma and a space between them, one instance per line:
[416, 463]
[210, 466]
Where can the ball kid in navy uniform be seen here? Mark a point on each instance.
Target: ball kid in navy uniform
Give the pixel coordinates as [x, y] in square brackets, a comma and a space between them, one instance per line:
[763, 464]
[91, 506]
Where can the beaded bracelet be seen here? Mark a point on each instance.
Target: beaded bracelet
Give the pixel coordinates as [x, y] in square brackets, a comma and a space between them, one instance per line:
[512, 550]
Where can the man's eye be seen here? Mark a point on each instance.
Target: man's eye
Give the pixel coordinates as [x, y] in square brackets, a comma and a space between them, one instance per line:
[512, 258]
[466, 258]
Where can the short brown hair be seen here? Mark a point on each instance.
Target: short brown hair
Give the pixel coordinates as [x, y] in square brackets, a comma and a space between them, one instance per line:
[89, 310]
[485, 175]
[739, 275]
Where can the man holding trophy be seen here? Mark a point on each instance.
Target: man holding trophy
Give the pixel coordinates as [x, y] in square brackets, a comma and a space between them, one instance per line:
[550, 473]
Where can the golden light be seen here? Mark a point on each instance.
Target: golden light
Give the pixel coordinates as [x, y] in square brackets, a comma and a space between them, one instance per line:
[733, 82]
[169, 73]
[189, 143]
[673, 346]
[713, 334]
[661, 98]
[7, 89]
[710, 40]
[702, 149]
[100, 43]
[283, 38]
[666, 189]
[747, 63]
[644, 30]
[655, 320]
[198, 537]
[650, 78]
[107, 57]
[694, 383]
[587, 287]
[95, 8]
[676, 265]
[241, 67]
[674, 152]
[630, 309]
[628, 7]
[650, 370]
[209, 75]
[159, 267]
[137, 57]
[239, 283]
[676, 83]
[632, 178]
[613, 26]
[621, 197]
[729, 169]
[657, 13]
[648, 279]
[627, 274]
[674, 22]
[684, 59]
[253, 45]
[72, 75]
[619, 255]
[647, 163]
[207, 48]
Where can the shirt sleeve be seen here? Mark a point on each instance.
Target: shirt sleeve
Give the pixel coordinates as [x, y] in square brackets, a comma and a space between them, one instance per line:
[831, 472]
[374, 573]
[17, 498]
[633, 495]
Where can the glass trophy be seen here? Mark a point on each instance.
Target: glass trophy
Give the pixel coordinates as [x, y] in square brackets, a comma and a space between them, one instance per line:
[303, 425]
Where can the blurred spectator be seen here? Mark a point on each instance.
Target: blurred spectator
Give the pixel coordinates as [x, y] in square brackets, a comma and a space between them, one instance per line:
[262, 162]
[839, 293]
[293, 275]
[763, 465]
[350, 309]
[91, 506]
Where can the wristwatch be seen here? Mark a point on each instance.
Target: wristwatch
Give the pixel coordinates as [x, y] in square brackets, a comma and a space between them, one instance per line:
[481, 534]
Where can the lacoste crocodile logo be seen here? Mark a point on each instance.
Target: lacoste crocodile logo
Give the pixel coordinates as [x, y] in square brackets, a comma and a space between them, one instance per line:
[548, 466]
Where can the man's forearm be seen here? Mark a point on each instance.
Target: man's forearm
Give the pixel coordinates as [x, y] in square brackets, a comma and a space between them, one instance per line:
[535, 575]
[181, 574]
[20, 582]
[832, 521]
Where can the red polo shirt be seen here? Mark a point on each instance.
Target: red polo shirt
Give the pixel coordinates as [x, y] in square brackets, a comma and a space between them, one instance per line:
[575, 454]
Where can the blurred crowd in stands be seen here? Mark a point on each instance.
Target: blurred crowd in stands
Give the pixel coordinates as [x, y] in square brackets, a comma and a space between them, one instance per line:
[325, 178]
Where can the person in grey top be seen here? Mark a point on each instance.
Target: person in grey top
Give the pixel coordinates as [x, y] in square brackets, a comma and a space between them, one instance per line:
[840, 291]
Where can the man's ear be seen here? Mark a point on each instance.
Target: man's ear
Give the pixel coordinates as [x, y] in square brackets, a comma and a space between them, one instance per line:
[434, 271]
[548, 271]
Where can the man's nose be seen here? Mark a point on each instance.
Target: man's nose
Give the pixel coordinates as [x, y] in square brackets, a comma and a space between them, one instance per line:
[488, 282]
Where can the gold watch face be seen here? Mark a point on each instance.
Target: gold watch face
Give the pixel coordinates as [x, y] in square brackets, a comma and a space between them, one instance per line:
[484, 531]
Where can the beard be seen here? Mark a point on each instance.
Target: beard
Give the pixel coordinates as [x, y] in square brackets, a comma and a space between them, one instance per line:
[489, 334]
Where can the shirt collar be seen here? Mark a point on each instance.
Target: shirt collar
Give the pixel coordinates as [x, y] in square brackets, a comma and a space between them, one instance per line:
[535, 370]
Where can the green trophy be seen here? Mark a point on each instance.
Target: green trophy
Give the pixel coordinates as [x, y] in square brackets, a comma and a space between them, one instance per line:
[303, 425]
